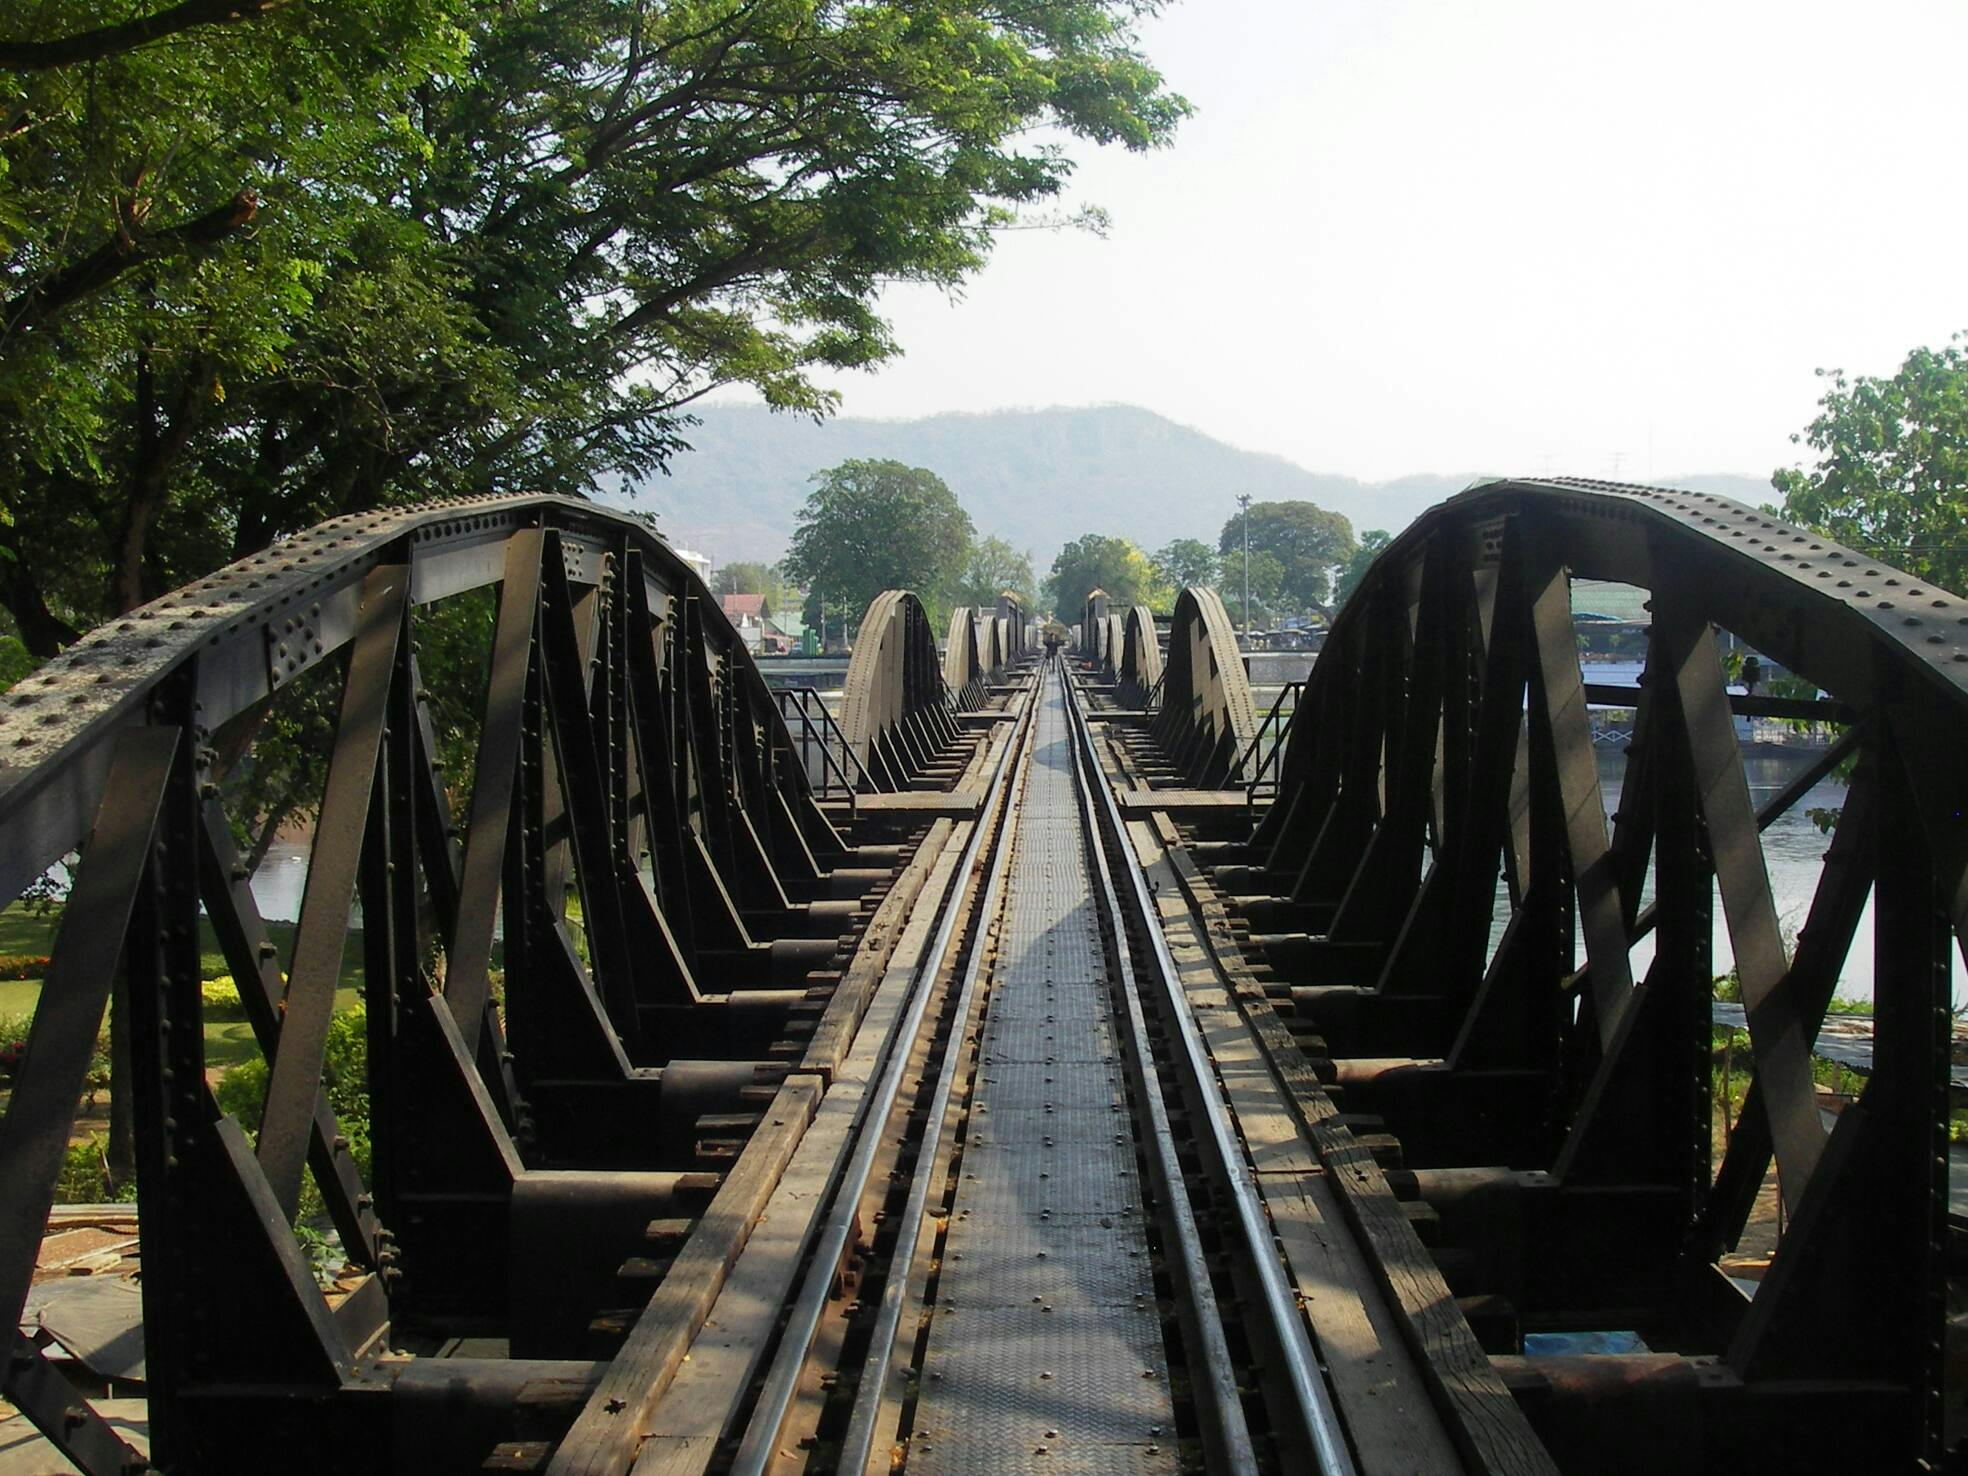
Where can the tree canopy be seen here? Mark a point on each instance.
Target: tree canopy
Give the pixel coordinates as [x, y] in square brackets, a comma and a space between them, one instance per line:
[1185, 561]
[1371, 543]
[1892, 473]
[263, 263]
[1097, 561]
[875, 525]
[993, 566]
[1307, 541]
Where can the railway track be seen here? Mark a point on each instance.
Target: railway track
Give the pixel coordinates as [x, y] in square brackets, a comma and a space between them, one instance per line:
[1072, 1198]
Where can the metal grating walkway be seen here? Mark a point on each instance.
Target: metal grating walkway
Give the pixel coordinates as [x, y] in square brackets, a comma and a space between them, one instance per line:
[1045, 1350]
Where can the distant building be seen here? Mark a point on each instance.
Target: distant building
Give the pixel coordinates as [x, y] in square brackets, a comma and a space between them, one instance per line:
[700, 564]
[762, 633]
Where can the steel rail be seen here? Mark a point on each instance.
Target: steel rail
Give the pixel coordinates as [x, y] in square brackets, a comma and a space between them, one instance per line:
[860, 1437]
[757, 1449]
[1317, 1412]
[1224, 1409]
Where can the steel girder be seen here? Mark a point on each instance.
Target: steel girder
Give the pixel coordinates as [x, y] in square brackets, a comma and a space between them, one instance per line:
[1206, 718]
[526, 1128]
[1015, 638]
[974, 657]
[1554, 1102]
[1093, 628]
[895, 708]
[1138, 662]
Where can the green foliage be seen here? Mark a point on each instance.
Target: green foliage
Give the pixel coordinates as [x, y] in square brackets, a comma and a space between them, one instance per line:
[1305, 539]
[354, 252]
[1372, 542]
[992, 567]
[1186, 561]
[13, 1042]
[220, 994]
[1265, 574]
[16, 661]
[85, 1177]
[1096, 561]
[875, 525]
[345, 1079]
[1892, 472]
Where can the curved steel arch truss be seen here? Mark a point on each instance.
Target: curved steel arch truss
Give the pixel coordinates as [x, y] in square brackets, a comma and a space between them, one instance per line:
[1138, 663]
[895, 708]
[1015, 639]
[966, 662]
[974, 657]
[1521, 988]
[1206, 719]
[528, 1120]
[1093, 627]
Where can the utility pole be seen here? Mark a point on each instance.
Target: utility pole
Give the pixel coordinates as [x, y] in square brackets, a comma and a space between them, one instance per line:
[1244, 502]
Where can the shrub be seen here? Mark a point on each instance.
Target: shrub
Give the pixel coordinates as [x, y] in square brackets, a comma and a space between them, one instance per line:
[13, 1041]
[85, 1177]
[15, 966]
[220, 993]
[344, 1077]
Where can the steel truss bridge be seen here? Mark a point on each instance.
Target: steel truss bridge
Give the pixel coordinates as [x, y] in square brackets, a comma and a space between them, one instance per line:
[1033, 1066]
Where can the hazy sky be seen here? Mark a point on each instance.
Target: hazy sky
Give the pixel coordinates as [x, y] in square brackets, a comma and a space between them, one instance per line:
[1506, 236]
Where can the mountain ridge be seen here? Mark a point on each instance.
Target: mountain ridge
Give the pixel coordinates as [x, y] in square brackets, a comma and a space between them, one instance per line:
[1035, 477]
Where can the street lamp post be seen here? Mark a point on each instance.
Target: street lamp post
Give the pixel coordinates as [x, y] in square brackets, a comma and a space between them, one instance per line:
[1244, 502]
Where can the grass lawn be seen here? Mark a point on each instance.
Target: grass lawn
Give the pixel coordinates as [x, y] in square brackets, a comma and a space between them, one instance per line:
[228, 1037]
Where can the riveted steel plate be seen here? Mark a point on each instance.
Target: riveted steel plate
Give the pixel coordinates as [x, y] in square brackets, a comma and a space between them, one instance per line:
[1050, 1125]
[1078, 1260]
[1073, 1376]
[1037, 1037]
[1073, 1085]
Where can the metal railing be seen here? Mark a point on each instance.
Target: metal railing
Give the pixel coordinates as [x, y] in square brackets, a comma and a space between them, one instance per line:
[831, 764]
[1257, 767]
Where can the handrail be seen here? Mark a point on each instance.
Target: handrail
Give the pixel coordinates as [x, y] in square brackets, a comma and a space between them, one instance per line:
[1277, 718]
[811, 734]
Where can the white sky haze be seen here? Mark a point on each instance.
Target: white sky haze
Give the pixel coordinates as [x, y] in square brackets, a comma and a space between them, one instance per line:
[1495, 235]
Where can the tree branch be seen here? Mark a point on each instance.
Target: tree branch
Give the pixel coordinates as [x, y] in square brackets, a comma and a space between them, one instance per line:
[105, 41]
[117, 255]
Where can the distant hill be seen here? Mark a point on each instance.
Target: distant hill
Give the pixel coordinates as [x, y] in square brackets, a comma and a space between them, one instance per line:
[1035, 477]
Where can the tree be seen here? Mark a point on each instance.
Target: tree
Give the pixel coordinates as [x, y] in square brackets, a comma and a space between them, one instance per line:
[304, 259]
[1096, 561]
[1186, 561]
[1267, 573]
[1371, 543]
[1307, 541]
[993, 567]
[744, 577]
[1892, 472]
[875, 525]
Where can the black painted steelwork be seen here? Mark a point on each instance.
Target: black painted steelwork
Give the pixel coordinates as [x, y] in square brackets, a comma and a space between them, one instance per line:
[1553, 1104]
[1206, 718]
[1138, 663]
[899, 699]
[530, 1127]
[896, 712]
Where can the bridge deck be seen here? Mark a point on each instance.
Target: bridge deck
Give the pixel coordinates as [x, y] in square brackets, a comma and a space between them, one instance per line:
[1045, 1351]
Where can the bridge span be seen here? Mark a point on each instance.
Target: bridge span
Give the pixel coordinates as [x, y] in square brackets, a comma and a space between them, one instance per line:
[1038, 1065]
